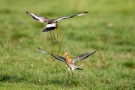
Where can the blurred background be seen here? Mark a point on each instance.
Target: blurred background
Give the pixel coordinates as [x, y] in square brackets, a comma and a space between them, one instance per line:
[109, 27]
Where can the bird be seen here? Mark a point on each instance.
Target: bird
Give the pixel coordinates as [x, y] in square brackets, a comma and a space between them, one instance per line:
[52, 23]
[70, 63]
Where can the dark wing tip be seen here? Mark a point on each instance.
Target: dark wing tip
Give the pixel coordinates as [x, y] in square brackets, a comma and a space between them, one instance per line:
[81, 13]
[27, 12]
[85, 12]
[38, 48]
[42, 50]
[93, 52]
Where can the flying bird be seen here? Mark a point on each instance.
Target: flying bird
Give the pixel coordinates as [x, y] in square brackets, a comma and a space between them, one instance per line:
[52, 23]
[71, 63]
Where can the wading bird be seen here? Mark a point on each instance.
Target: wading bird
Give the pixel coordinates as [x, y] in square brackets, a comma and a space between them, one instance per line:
[71, 63]
[52, 23]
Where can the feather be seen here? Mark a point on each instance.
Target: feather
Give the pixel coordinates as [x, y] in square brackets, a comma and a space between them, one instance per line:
[83, 56]
[60, 58]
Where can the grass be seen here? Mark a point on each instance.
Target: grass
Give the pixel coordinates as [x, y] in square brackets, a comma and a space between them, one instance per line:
[109, 28]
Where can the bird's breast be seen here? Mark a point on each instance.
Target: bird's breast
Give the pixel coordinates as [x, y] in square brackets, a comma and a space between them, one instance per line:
[68, 61]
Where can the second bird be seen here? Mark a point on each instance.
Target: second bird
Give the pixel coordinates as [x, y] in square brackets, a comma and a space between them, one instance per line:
[71, 63]
[52, 23]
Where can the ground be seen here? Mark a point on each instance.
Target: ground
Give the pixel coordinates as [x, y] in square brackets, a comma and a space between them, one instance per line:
[109, 28]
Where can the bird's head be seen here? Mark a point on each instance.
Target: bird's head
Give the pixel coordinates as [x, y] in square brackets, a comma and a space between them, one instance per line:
[66, 53]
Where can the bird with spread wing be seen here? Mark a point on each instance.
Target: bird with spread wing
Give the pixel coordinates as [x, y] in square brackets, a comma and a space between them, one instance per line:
[71, 63]
[52, 23]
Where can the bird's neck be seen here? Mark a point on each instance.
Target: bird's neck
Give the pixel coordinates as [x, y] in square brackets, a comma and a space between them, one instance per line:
[68, 59]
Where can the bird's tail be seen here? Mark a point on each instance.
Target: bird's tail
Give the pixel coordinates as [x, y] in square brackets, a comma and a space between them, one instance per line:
[78, 68]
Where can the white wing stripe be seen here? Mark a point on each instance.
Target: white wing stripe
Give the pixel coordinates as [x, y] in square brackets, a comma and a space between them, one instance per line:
[42, 51]
[81, 14]
[37, 18]
[51, 25]
[62, 18]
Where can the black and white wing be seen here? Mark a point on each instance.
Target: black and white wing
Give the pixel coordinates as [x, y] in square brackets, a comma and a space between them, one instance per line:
[78, 14]
[83, 56]
[38, 18]
[60, 58]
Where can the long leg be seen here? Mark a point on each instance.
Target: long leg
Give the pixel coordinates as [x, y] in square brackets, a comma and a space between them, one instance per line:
[51, 37]
[68, 76]
[55, 38]
[72, 75]
[56, 33]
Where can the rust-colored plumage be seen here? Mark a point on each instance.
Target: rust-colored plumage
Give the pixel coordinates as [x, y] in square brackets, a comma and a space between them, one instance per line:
[71, 63]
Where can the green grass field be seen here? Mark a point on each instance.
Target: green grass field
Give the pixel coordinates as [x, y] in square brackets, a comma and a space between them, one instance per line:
[109, 27]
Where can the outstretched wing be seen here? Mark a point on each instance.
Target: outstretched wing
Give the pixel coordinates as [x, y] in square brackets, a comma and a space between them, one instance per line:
[83, 56]
[60, 58]
[38, 18]
[78, 14]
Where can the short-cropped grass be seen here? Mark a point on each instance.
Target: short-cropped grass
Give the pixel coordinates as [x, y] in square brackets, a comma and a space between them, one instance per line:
[109, 28]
